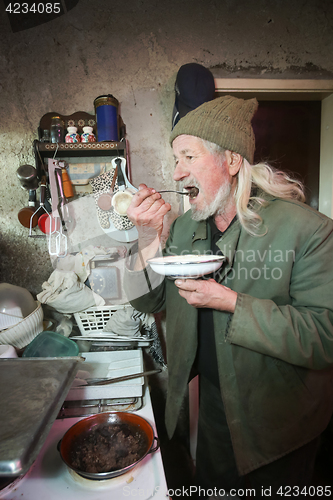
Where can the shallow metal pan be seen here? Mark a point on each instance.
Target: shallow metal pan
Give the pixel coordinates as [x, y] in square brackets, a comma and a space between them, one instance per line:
[134, 422]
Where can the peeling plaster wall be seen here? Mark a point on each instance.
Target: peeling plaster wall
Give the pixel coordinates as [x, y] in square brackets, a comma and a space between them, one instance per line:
[133, 49]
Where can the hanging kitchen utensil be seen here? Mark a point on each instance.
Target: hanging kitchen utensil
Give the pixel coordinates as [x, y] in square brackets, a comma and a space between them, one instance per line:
[58, 239]
[27, 175]
[40, 210]
[53, 234]
[24, 215]
[119, 217]
[120, 175]
[121, 162]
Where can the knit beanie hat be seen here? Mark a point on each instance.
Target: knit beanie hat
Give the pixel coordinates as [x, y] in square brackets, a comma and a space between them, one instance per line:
[225, 121]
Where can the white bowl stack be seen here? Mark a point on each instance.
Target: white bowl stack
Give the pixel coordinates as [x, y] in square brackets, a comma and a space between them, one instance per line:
[21, 334]
[21, 316]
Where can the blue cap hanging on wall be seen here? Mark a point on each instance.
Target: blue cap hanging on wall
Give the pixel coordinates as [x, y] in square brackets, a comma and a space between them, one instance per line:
[194, 85]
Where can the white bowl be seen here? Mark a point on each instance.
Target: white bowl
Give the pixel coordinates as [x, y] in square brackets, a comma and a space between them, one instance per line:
[21, 334]
[7, 351]
[16, 303]
[186, 266]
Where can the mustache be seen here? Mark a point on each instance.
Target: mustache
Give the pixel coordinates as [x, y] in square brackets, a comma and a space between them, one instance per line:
[189, 181]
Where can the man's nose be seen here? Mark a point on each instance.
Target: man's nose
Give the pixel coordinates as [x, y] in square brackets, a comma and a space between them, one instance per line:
[180, 172]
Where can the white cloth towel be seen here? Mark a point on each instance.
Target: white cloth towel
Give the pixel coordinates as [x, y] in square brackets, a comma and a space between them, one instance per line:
[132, 323]
[64, 292]
[129, 322]
[80, 262]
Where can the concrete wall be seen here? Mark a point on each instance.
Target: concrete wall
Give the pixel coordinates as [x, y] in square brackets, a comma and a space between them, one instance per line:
[133, 49]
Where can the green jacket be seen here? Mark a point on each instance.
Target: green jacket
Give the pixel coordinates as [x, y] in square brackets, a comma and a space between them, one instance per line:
[275, 353]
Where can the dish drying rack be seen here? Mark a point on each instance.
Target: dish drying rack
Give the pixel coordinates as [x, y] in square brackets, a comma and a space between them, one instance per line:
[94, 319]
[91, 323]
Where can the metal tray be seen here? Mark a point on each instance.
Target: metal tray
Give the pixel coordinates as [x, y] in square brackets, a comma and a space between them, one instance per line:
[31, 394]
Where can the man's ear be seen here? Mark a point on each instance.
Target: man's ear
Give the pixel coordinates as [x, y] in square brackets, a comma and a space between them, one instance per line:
[235, 161]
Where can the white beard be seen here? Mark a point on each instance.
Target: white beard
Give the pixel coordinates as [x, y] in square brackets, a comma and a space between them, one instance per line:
[216, 207]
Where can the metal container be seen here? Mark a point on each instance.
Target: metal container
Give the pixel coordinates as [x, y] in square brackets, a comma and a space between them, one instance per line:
[133, 422]
[31, 394]
[106, 109]
[27, 175]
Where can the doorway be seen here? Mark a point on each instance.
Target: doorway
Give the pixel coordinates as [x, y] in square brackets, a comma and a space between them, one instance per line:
[288, 138]
[294, 90]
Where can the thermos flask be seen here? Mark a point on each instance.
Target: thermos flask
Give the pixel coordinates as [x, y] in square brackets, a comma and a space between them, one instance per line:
[106, 109]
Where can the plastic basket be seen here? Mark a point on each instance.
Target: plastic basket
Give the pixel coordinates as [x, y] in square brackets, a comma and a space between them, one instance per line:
[94, 319]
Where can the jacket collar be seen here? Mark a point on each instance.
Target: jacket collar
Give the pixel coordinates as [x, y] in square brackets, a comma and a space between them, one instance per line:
[229, 241]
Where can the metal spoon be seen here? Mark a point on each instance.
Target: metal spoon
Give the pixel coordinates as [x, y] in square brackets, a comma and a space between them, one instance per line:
[191, 192]
[172, 191]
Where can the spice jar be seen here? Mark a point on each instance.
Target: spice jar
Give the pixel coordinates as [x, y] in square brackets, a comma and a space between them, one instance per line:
[46, 136]
[88, 135]
[72, 135]
[57, 129]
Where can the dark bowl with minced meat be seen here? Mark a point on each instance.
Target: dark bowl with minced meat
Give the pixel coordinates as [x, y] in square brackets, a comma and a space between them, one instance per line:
[107, 445]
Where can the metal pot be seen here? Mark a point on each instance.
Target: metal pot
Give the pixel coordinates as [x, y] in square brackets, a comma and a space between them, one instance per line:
[135, 424]
[27, 175]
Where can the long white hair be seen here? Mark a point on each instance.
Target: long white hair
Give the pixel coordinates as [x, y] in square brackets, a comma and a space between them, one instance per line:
[266, 179]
